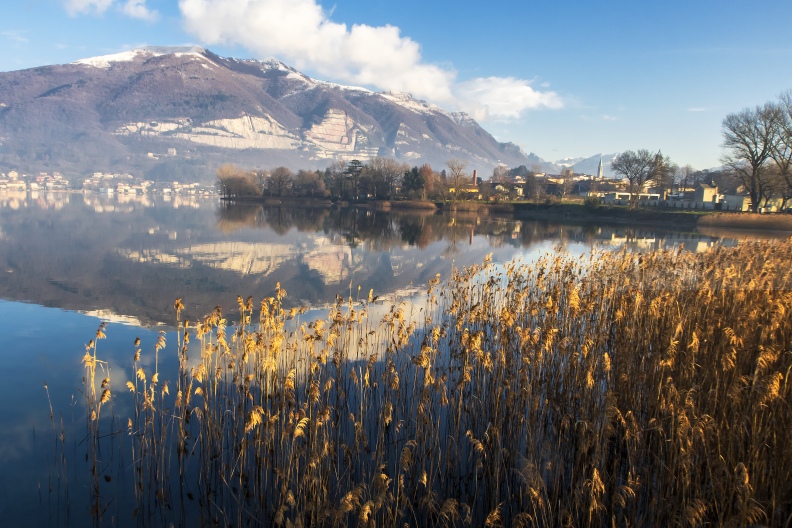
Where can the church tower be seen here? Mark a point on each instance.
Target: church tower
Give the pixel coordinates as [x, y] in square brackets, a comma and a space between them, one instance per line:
[599, 170]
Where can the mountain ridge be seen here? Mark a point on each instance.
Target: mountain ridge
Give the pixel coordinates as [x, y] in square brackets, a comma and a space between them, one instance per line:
[185, 110]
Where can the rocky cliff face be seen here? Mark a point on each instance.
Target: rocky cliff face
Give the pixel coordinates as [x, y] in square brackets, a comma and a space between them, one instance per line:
[138, 110]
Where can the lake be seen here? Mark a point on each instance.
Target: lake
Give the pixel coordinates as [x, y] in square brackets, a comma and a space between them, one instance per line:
[69, 262]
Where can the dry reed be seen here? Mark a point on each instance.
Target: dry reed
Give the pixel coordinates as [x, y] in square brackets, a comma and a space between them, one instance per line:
[780, 222]
[618, 388]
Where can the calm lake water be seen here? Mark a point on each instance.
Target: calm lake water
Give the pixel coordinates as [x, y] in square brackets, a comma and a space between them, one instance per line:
[70, 261]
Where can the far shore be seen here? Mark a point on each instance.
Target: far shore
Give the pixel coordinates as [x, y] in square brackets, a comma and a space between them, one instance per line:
[567, 212]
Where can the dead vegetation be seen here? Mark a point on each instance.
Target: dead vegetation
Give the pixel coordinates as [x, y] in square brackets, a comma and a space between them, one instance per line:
[755, 221]
[616, 389]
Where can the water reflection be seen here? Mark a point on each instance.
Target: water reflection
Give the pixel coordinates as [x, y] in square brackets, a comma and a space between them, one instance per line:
[130, 256]
[125, 259]
[384, 230]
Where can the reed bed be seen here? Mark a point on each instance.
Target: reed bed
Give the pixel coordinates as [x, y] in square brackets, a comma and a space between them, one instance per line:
[616, 389]
[779, 222]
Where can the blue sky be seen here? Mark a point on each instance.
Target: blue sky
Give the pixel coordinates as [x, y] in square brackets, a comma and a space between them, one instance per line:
[559, 78]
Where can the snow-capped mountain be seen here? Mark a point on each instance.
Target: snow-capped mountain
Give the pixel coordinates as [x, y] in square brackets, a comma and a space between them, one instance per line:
[591, 165]
[181, 111]
[580, 165]
[568, 162]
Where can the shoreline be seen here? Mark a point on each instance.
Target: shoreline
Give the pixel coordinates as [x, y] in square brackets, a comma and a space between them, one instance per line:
[569, 212]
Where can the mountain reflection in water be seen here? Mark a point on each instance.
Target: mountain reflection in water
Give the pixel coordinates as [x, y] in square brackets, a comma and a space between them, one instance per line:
[133, 255]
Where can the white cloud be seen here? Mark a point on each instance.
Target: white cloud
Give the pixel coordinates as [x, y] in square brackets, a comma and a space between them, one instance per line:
[15, 36]
[138, 9]
[607, 117]
[301, 33]
[81, 7]
[503, 97]
[131, 8]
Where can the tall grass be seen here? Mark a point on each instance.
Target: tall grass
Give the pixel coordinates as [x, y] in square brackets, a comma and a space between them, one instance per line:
[780, 222]
[614, 389]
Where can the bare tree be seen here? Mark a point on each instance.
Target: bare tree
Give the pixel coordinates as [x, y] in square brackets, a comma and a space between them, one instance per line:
[500, 174]
[385, 173]
[566, 178]
[261, 177]
[781, 148]
[309, 183]
[748, 138]
[336, 174]
[774, 186]
[684, 177]
[456, 175]
[663, 172]
[233, 181]
[428, 178]
[637, 167]
[280, 182]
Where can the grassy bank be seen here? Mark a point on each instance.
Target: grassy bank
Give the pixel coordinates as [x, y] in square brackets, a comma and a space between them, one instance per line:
[576, 212]
[751, 221]
[606, 214]
[293, 201]
[413, 204]
[580, 213]
[620, 389]
[405, 205]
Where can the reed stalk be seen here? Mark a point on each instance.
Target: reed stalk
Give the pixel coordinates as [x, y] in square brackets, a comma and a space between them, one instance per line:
[616, 388]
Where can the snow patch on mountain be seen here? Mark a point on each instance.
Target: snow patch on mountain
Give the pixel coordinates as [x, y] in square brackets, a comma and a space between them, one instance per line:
[591, 165]
[461, 118]
[406, 101]
[568, 162]
[105, 61]
[273, 64]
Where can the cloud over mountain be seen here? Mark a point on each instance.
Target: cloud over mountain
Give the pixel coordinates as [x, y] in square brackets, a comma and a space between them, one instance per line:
[503, 97]
[138, 9]
[302, 33]
[82, 7]
[131, 8]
